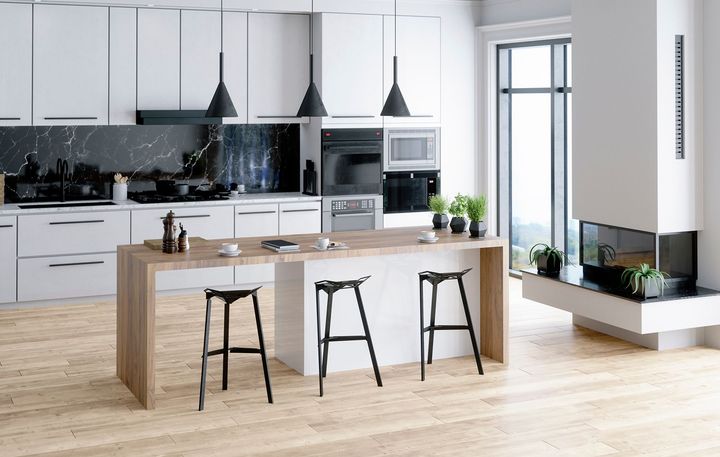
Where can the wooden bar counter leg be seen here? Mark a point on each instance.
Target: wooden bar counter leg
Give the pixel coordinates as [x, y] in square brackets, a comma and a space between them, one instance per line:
[136, 327]
[494, 302]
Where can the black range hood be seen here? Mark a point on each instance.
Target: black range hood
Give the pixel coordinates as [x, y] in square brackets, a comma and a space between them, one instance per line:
[175, 117]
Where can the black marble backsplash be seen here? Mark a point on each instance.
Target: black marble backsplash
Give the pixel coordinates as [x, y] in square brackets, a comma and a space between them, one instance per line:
[265, 158]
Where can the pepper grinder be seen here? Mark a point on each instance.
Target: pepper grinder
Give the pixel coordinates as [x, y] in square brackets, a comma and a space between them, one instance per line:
[169, 245]
[183, 243]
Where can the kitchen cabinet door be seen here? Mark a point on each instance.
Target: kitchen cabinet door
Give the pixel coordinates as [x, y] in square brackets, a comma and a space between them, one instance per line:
[158, 72]
[352, 68]
[123, 68]
[70, 65]
[418, 51]
[278, 66]
[16, 58]
[300, 218]
[8, 231]
[199, 54]
[255, 221]
[236, 64]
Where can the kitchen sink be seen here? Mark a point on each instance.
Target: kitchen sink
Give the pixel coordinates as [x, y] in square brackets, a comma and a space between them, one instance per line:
[64, 205]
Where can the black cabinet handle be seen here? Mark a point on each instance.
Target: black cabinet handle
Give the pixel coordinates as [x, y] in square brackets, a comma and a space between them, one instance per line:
[75, 118]
[9, 119]
[96, 221]
[76, 264]
[191, 216]
[299, 210]
[361, 116]
[256, 212]
[7, 226]
[272, 117]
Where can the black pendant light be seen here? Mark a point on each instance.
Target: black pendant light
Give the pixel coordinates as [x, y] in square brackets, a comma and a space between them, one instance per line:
[221, 104]
[312, 104]
[395, 104]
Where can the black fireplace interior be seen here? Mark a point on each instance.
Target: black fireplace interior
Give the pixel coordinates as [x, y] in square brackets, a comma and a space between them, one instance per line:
[605, 251]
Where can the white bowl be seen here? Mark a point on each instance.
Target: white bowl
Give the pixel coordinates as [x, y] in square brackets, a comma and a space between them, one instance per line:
[229, 247]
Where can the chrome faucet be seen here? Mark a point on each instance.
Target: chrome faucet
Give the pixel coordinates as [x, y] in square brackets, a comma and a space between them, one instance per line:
[63, 170]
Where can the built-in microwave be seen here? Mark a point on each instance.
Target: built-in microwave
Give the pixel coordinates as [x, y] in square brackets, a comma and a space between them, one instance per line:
[409, 192]
[410, 149]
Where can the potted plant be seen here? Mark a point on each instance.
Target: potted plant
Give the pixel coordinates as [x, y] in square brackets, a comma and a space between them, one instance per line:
[439, 206]
[548, 259]
[605, 253]
[457, 210]
[476, 209]
[645, 281]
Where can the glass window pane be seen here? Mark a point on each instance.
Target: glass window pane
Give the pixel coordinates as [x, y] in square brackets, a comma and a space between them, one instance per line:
[573, 226]
[531, 175]
[530, 67]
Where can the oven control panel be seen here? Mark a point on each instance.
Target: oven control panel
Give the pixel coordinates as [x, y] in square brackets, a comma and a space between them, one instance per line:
[353, 205]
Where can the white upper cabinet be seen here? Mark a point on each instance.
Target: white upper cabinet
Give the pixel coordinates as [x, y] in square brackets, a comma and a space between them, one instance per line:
[418, 51]
[351, 80]
[199, 58]
[123, 68]
[16, 58]
[70, 65]
[236, 64]
[278, 66]
[158, 72]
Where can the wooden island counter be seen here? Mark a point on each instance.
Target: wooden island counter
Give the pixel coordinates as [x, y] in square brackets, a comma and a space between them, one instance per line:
[393, 257]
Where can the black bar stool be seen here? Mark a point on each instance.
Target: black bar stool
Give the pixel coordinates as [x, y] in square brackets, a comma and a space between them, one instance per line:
[435, 279]
[228, 297]
[330, 287]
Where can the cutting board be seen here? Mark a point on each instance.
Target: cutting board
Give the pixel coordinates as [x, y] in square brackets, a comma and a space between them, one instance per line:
[157, 244]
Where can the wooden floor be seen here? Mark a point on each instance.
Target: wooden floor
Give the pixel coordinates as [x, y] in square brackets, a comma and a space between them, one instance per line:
[567, 392]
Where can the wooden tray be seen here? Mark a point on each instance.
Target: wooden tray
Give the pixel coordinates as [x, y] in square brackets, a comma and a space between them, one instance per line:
[157, 244]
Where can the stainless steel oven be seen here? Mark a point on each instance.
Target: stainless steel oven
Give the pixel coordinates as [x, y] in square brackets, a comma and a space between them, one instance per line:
[343, 214]
[351, 162]
[411, 149]
[409, 192]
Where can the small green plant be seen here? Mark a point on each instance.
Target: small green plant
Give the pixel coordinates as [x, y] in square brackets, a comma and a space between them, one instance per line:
[476, 208]
[635, 277]
[438, 204]
[542, 249]
[458, 207]
[605, 253]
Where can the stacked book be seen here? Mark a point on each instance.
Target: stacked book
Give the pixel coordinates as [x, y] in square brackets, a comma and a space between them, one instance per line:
[280, 245]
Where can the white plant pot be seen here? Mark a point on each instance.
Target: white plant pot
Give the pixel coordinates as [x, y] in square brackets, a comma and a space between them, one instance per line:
[119, 192]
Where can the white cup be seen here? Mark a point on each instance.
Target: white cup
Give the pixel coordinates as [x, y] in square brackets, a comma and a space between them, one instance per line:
[427, 235]
[234, 193]
[229, 248]
[241, 188]
[322, 243]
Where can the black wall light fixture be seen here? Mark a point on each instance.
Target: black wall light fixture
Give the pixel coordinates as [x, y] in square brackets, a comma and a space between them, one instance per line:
[221, 104]
[395, 104]
[312, 104]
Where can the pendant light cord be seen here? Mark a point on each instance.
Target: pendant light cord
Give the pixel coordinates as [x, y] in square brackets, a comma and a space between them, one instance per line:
[395, 28]
[312, 20]
[222, 25]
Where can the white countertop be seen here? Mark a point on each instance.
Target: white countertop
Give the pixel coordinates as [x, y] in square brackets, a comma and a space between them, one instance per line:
[128, 205]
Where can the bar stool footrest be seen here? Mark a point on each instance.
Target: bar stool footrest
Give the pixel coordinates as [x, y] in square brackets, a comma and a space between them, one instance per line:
[446, 327]
[344, 338]
[235, 351]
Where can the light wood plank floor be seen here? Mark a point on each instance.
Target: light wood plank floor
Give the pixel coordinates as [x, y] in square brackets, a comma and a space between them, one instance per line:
[567, 392]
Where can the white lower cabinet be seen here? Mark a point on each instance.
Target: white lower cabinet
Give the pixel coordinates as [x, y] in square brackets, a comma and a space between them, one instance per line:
[206, 222]
[300, 218]
[49, 278]
[8, 230]
[254, 221]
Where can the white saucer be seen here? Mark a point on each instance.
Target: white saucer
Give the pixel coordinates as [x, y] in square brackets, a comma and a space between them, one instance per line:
[427, 240]
[228, 254]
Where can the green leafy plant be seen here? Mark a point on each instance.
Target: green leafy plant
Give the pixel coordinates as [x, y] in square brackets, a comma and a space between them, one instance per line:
[476, 208]
[635, 277]
[438, 204]
[458, 207]
[605, 253]
[542, 249]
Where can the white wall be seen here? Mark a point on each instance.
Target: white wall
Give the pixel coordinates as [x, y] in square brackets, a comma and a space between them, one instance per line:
[709, 238]
[503, 11]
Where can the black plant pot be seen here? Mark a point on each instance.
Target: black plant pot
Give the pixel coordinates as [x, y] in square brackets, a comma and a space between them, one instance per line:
[478, 229]
[548, 266]
[458, 224]
[440, 221]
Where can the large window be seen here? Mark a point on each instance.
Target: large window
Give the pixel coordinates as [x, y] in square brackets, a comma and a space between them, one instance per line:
[534, 157]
